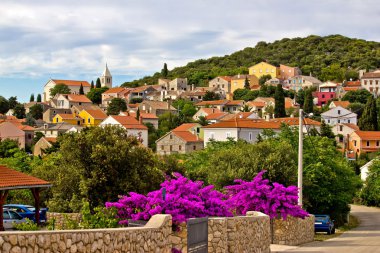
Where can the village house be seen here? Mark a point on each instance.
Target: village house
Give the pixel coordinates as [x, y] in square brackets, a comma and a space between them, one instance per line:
[29, 134]
[364, 141]
[27, 106]
[222, 82]
[371, 81]
[92, 117]
[238, 81]
[156, 107]
[145, 117]
[42, 144]
[219, 104]
[264, 68]
[217, 117]
[343, 104]
[204, 112]
[141, 92]
[326, 92]
[50, 130]
[50, 113]
[67, 101]
[343, 130]
[338, 115]
[299, 82]
[133, 126]
[116, 92]
[68, 118]
[234, 106]
[10, 131]
[179, 84]
[286, 72]
[74, 87]
[183, 139]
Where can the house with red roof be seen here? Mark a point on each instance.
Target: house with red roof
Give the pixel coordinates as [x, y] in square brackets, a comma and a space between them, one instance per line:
[67, 101]
[10, 131]
[371, 81]
[183, 139]
[74, 86]
[204, 112]
[116, 92]
[222, 82]
[133, 126]
[364, 141]
[42, 144]
[145, 117]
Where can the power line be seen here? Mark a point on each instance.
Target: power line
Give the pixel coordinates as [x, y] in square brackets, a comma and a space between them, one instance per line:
[311, 140]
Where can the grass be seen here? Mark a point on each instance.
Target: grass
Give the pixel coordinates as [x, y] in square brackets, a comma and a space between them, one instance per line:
[353, 223]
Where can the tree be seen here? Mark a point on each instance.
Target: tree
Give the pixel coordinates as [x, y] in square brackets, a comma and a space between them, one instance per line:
[37, 137]
[19, 111]
[358, 96]
[95, 95]
[138, 114]
[368, 120]
[246, 108]
[370, 194]
[39, 99]
[210, 95]
[308, 104]
[36, 111]
[279, 98]
[8, 148]
[358, 108]
[300, 97]
[203, 121]
[31, 98]
[98, 83]
[12, 102]
[81, 91]
[59, 88]
[116, 106]
[264, 78]
[164, 71]
[135, 100]
[326, 130]
[4, 105]
[246, 84]
[92, 84]
[30, 121]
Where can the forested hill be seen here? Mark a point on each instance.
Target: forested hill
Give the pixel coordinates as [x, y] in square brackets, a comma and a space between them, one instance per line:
[333, 57]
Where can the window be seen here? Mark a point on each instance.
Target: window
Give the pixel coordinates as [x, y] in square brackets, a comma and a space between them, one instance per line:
[365, 82]
[179, 147]
[338, 120]
[250, 136]
[331, 96]
[228, 134]
[56, 120]
[340, 128]
[339, 112]
[349, 121]
[367, 143]
[170, 148]
[355, 143]
[170, 137]
[234, 108]
[261, 71]
[377, 143]
[211, 135]
[194, 147]
[89, 120]
[328, 121]
[162, 147]
[323, 96]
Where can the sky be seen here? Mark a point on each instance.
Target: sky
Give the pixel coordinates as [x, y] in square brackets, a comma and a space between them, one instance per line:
[74, 39]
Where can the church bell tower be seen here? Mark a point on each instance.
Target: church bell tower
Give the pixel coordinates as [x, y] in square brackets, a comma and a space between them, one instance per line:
[106, 78]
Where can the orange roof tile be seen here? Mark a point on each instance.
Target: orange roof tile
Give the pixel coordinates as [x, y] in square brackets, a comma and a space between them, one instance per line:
[368, 135]
[187, 136]
[133, 105]
[210, 110]
[213, 102]
[235, 102]
[295, 121]
[50, 139]
[245, 123]
[256, 104]
[227, 78]
[353, 84]
[66, 116]
[185, 127]
[353, 126]
[13, 179]
[351, 88]
[114, 90]
[129, 122]
[148, 116]
[215, 116]
[96, 114]
[25, 127]
[343, 104]
[78, 98]
[72, 82]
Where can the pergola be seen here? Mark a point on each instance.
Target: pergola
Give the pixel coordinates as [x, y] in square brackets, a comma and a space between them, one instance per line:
[13, 180]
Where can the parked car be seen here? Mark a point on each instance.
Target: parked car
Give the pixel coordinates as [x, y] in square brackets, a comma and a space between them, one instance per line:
[323, 223]
[11, 218]
[27, 211]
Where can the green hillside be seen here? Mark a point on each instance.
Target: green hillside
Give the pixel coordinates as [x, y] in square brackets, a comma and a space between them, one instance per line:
[333, 57]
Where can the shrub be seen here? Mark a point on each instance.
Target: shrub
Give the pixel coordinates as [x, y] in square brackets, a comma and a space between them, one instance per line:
[29, 225]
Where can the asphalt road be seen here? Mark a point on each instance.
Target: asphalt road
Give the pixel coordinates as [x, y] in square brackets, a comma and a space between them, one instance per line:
[363, 239]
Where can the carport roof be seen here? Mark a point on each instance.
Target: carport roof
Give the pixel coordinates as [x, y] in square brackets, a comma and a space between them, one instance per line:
[13, 179]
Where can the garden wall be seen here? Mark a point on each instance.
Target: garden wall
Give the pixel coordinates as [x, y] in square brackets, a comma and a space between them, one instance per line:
[61, 219]
[249, 233]
[154, 237]
[293, 231]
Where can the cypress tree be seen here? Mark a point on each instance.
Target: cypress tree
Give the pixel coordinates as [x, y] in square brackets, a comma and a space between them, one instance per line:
[92, 84]
[31, 98]
[98, 84]
[326, 130]
[39, 98]
[308, 103]
[81, 91]
[138, 114]
[246, 84]
[279, 98]
[164, 71]
[368, 120]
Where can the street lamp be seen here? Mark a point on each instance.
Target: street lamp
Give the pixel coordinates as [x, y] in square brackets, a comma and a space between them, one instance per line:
[300, 157]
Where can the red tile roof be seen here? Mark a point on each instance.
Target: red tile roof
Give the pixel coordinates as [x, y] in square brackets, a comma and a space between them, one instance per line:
[210, 110]
[256, 104]
[13, 179]
[351, 88]
[50, 139]
[295, 121]
[187, 136]
[245, 123]
[353, 83]
[114, 90]
[25, 127]
[235, 102]
[353, 126]
[214, 102]
[72, 82]
[96, 114]
[129, 122]
[343, 104]
[371, 75]
[227, 78]
[78, 98]
[368, 135]
[215, 116]
[185, 127]
[66, 116]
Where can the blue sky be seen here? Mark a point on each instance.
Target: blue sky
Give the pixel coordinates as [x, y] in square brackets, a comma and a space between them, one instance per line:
[74, 39]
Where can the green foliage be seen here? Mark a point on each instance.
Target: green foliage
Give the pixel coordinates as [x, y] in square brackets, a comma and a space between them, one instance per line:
[12, 101]
[300, 97]
[31, 98]
[368, 120]
[246, 95]
[59, 88]
[92, 84]
[39, 98]
[95, 95]
[30, 121]
[370, 194]
[203, 121]
[116, 106]
[135, 100]
[308, 103]
[37, 137]
[81, 91]
[246, 84]
[246, 108]
[164, 71]
[210, 95]
[19, 111]
[29, 225]
[186, 110]
[358, 96]
[8, 148]
[4, 105]
[167, 122]
[153, 135]
[279, 109]
[326, 130]
[98, 83]
[36, 111]
[267, 91]
[101, 217]
[264, 78]
[333, 72]
[358, 108]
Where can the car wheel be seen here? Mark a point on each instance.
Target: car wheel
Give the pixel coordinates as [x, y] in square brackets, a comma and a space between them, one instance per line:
[329, 231]
[333, 231]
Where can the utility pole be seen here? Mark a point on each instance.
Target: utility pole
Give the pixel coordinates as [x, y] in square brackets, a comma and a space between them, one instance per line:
[300, 157]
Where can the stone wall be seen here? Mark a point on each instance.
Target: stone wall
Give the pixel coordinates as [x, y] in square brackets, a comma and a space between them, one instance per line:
[249, 233]
[293, 231]
[61, 219]
[154, 237]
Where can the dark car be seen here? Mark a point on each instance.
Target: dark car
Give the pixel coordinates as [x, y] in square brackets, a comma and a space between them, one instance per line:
[323, 223]
[11, 218]
[27, 211]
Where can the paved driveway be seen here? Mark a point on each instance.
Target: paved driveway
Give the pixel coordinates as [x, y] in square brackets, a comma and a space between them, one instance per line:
[363, 239]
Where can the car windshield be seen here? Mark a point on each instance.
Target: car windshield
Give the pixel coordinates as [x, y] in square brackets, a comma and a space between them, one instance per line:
[321, 218]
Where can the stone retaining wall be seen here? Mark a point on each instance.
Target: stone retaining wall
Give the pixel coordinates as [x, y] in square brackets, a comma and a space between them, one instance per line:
[293, 231]
[154, 237]
[61, 219]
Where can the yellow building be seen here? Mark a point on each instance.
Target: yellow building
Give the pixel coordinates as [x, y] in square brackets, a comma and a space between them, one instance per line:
[92, 117]
[264, 68]
[68, 118]
[238, 81]
[364, 141]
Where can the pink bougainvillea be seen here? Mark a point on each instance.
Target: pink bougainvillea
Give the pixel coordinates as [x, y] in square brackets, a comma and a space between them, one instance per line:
[184, 199]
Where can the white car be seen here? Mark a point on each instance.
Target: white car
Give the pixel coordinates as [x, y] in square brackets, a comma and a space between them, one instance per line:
[10, 218]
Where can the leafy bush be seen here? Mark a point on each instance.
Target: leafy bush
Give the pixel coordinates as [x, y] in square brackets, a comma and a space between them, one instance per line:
[370, 193]
[29, 225]
[101, 218]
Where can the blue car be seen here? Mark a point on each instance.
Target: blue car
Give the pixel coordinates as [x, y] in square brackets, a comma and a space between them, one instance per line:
[323, 223]
[27, 211]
